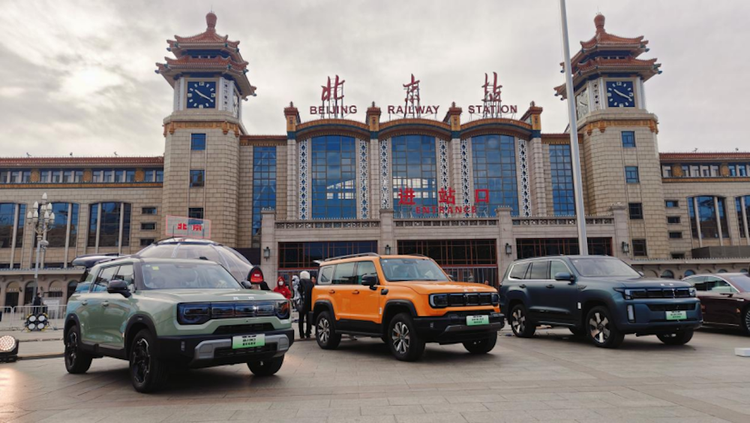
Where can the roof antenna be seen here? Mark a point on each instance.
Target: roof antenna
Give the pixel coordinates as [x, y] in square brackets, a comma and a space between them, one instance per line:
[27, 154]
[695, 151]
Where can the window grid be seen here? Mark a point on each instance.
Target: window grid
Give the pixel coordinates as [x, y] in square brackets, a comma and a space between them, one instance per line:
[108, 222]
[197, 142]
[631, 175]
[563, 194]
[639, 248]
[264, 183]
[197, 178]
[494, 158]
[740, 219]
[628, 139]
[301, 255]
[333, 177]
[7, 219]
[195, 212]
[414, 166]
[457, 252]
[539, 247]
[636, 211]
[707, 215]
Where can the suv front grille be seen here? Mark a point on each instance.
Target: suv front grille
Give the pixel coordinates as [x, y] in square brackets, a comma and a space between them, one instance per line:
[235, 329]
[661, 293]
[472, 299]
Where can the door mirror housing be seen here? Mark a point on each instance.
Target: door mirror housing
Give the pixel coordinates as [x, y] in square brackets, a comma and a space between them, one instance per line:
[246, 284]
[565, 276]
[370, 280]
[119, 286]
[728, 294]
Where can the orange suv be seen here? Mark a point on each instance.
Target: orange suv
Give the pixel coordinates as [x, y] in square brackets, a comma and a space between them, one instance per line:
[406, 300]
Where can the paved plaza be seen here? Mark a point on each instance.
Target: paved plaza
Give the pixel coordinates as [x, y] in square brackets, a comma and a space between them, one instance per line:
[548, 378]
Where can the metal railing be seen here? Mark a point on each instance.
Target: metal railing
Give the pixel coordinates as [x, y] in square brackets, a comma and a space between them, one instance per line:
[15, 318]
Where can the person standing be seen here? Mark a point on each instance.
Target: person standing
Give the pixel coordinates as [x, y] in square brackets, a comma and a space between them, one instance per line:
[282, 289]
[305, 291]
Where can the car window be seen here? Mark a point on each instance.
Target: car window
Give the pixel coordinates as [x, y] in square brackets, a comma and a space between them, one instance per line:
[519, 270]
[698, 283]
[740, 281]
[102, 281]
[365, 268]
[539, 270]
[718, 285]
[196, 274]
[344, 274]
[603, 267]
[326, 273]
[412, 269]
[126, 273]
[557, 266]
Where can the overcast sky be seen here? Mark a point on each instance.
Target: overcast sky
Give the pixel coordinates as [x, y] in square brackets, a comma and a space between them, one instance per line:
[78, 76]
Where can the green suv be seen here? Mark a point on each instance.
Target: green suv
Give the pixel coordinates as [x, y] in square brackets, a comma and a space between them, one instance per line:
[161, 314]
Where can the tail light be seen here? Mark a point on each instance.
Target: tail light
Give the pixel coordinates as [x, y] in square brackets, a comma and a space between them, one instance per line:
[256, 275]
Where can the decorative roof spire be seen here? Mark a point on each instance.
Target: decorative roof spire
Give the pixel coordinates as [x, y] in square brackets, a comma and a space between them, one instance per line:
[599, 23]
[211, 21]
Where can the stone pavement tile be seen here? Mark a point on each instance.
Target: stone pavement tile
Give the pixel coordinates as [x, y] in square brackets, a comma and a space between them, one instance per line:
[457, 399]
[200, 416]
[533, 397]
[236, 405]
[392, 410]
[498, 417]
[516, 405]
[357, 403]
[259, 415]
[454, 408]
[573, 404]
[282, 403]
[431, 418]
[417, 400]
[329, 412]
[562, 414]
[706, 419]
[362, 419]
[34, 417]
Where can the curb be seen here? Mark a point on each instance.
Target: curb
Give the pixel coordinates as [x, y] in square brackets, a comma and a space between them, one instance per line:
[39, 356]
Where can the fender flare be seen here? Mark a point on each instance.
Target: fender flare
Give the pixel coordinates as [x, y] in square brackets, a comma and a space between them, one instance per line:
[407, 303]
[325, 304]
[139, 318]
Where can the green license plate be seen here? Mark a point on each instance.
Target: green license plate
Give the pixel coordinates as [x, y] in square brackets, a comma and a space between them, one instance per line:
[248, 341]
[676, 315]
[477, 320]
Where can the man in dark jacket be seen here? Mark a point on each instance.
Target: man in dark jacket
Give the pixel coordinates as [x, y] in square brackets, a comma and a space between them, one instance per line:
[305, 291]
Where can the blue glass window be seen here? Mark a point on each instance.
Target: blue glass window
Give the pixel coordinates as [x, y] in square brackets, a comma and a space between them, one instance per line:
[7, 219]
[197, 142]
[631, 175]
[563, 194]
[197, 178]
[414, 169]
[707, 214]
[195, 212]
[495, 170]
[57, 233]
[264, 182]
[743, 223]
[334, 175]
[108, 223]
[628, 139]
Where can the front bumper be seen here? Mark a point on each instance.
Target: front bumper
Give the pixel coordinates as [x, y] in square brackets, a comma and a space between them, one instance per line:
[452, 328]
[215, 350]
[649, 316]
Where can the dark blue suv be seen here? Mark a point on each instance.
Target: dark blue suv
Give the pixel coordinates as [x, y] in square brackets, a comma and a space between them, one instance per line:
[601, 298]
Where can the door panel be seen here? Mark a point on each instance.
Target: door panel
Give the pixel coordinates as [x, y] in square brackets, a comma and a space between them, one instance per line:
[343, 284]
[562, 298]
[365, 301]
[536, 282]
[116, 310]
[718, 305]
[93, 331]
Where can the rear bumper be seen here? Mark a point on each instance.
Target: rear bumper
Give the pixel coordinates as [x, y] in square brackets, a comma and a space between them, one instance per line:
[215, 350]
[452, 328]
[649, 317]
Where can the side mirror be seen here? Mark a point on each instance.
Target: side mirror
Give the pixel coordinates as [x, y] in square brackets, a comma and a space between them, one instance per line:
[119, 286]
[246, 285]
[728, 294]
[370, 280]
[565, 276]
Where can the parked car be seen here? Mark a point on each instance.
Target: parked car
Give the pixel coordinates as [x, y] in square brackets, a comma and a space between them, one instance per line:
[725, 299]
[601, 298]
[159, 313]
[406, 301]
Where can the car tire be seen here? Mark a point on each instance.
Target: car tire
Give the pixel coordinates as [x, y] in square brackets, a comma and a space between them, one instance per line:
[147, 372]
[577, 332]
[325, 332]
[677, 338]
[403, 340]
[519, 322]
[266, 367]
[601, 329]
[76, 361]
[745, 323]
[481, 346]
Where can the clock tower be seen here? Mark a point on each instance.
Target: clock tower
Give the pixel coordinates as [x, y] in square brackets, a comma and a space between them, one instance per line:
[201, 157]
[618, 136]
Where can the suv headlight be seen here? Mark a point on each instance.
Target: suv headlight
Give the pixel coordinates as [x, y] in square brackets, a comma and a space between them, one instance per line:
[193, 314]
[630, 294]
[439, 300]
[495, 299]
[693, 292]
[283, 310]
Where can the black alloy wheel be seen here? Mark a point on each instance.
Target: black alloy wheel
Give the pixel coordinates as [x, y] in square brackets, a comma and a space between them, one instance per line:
[403, 341]
[601, 330]
[520, 324]
[76, 361]
[325, 332]
[266, 367]
[481, 346]
[745, 323]
[147, 372]
[677, 338]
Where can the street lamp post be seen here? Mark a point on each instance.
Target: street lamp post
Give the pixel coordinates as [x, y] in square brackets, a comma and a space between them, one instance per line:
[40, 225]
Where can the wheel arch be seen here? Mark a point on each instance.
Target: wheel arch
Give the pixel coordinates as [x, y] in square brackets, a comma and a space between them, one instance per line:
[394, 307]
[70, 321]
[321, 306]
[137, 323]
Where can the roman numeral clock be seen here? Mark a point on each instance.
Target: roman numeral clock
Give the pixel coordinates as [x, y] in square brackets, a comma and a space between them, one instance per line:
[201, 94]
[620, 94]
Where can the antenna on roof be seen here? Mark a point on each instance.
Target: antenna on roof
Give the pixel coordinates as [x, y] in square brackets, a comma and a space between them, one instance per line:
[115, 154]
[695, 151]
[736, 149]
[27, 154]
[71, 154]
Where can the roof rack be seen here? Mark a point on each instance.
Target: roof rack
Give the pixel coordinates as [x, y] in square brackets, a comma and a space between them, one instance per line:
[352, 256]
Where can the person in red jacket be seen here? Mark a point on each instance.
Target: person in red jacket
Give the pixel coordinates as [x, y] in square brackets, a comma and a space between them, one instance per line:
[282, 289]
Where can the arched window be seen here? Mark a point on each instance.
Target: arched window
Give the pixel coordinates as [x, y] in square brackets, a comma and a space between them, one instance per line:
[28, 293]
[689, 273]
[667, 274]
[722, 271]
[12, 292]
[71, 288]
[743, 271]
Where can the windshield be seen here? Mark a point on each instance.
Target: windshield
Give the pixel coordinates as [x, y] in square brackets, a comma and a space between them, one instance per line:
[186, 275]
[601, 267]
[409, 269]
[740, 281]
[233, 261]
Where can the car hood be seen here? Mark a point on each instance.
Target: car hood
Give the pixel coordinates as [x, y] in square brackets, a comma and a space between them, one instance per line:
[648, 283]
[445, 287]
[209, 295]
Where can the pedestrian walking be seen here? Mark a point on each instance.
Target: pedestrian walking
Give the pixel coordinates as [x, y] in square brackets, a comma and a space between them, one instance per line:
[295, 292]
[37, 303]
[282, 289]
[305, 291]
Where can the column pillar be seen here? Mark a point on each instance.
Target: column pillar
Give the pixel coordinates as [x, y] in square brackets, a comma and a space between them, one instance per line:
[374, 177]
[743, 205]
[269, 266]
[698, 221]
[505, 236]
[718, 220]
[291, 115]
[621, 234]
[387, 232]
[536, 161]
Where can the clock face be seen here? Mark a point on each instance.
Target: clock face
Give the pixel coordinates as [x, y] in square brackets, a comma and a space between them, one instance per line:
[620, 94]
[582, 103]
[201, 95]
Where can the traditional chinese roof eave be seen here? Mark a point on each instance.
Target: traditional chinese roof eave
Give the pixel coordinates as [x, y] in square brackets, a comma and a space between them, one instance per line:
[180, 50]
[170, 73]
[195, 61]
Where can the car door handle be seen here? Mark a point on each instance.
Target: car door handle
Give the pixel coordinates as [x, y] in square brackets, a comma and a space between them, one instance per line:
[550, 286]
[105, 303]
[522, 286]
[355, 292]
[333, 291]
[85, 302]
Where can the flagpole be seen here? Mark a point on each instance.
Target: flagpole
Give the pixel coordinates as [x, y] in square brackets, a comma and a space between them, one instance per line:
[574, 155]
